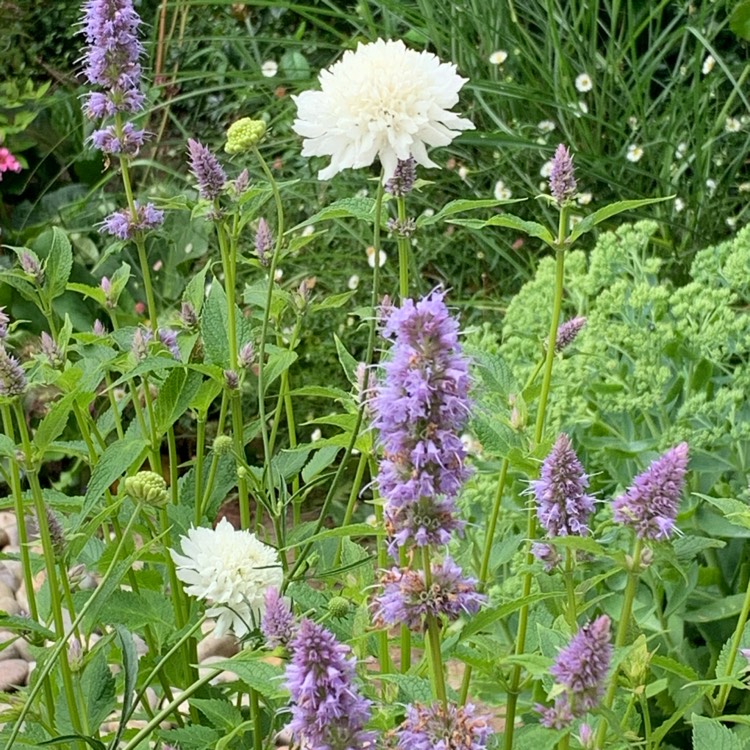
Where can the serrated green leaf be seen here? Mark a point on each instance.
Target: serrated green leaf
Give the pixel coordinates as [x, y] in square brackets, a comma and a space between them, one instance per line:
[51, 427]
[711, 734]
[279, 361]
[492, 614]
[221, 714]
[607, 212]
[266, 678]
[411, 689]
[175, 395]
[462, 205]
[728, 666]
[735, 511]
[195, 290]
[532, 228]
[719, 609]
[332, 302]
[348, 362]
[357, 208]
[739, 20]
[98, 689]
[320, 461]
[193, 737]
[56, 246]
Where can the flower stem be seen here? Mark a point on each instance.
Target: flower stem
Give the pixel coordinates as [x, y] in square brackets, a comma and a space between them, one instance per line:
[486, 554]
[572, 612]
[523, 616]
[403, 253]
[622, 631]
[433, 634]
[721, 698]
[353, 495]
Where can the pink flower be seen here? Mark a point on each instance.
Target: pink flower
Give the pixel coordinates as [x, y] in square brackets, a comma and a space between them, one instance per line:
[8, 162]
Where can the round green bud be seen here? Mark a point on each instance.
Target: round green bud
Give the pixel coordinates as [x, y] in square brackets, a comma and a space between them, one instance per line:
[243, 135]
[223, 445]
[147, 487]
[338, 607]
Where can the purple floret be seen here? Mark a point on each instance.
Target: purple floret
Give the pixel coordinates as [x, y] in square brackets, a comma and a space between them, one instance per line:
[407, 600]
[277, 623]
[206, 169]
[650, 505]
[328, 711]
[567, 332]
[429, 521]
[563, 506]
[122, 225]
[168, 337]
[437, 728]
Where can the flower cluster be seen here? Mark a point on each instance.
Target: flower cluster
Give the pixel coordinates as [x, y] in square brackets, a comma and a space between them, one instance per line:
[123, 225]
[382, 101]
[277, 623]
[408, 599]
[12, 377]
[563, 506]
[111, 61]
[206, 169]
[231, 570]
[581, 668]
[650, 505]
[328, 712]
[562, 181]
[443, 728]
[8, 162]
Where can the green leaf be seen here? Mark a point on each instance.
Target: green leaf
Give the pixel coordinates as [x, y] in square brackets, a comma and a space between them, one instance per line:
[193, 737]
[98, 688]
[320, 461]
[214, 325]
[355, 529]
[294, 66]
[332, 302]
[735, 511]
[348, 362]
[130, 668]
[221, 714]
[195, 291]
[536, 738]
[175, 396]
[532, 228]
[113, 463]
[56, 246]
[266, 678]
[496, 437]
[462, 205]
[7, 446]
[711, 734]
[138, 611]
[279, 361]
[739, 20]
[51, 427]
[411, 689]
[357, 208]
[613, 209]
[492, 614]
[69, 739]
[739, 664]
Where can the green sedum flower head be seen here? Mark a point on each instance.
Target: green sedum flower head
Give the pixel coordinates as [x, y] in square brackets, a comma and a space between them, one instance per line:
[243, 135]
[147, 487]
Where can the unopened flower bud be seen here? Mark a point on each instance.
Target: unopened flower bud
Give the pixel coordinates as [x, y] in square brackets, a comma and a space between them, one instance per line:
[187, 315]
[402, 227]
[339, 607]
[243, 135]
[56, 533]
[263, 241]
[52, 351]
[223, 445]
[562, 181]
[12, 377]
[242, 182]
[246, 357]
[139, 346]
[75, 655]
[147, 487]
[231, 380]
[568, 331]
[99, 329]
[4, 323]
[30, 264]
[109, 298]
[403, 178]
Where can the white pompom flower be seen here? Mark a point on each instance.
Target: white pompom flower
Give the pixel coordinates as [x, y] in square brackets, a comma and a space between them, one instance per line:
[382, 101]
[231, 570]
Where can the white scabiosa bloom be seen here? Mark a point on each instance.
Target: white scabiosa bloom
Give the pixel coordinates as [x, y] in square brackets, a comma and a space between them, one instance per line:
[502, 193]
[498, 57]
[231, 570]
[732, 125]
[382, 101]
[269, 68]
[584, 83]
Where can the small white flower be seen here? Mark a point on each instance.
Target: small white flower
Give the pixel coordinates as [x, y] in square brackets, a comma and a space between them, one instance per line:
[543, 186]
[546, 169]
[732, 125]
[278, 274]
[584, 83]
[463, 173]
[583, 199]
[731, 221]
[541, 141]
[708, 65]
[371, 520]
[308, 230]
[371, 257]
[744, 187]
[546, 126]
[583, 107]
[501, 192]
[383, 101]
[428, 212]
[633, 122]
[679, 205]
[711, 185]
[231, 570]
[681, 150]
[316, 435]
[498, 57]
[269, 68]
[575, 219]
[353, 282]
[635, 152]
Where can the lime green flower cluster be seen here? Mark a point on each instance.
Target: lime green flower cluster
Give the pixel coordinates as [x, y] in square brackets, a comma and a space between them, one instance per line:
[243, 135]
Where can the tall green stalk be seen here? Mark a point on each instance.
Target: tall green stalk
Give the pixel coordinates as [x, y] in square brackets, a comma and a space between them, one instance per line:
[721, 698]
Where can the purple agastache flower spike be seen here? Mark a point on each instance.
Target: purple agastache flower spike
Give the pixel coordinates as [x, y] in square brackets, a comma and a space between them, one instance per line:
[111, 59]
[403, 178]
[581, 668]
[562, 180]
[12, 377]
[437, 727]
[422, 405]
[328, 711]
[127, 142]
[168, 337]
[263, 241]
[277, 622]
[51, 350]
[650, 504]
[567, 332]
[406, 599]
[208, 173]
[425, 522]
[563, 507]
[122, 225]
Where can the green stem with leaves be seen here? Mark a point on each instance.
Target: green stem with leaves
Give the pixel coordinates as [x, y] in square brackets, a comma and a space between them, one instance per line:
[433, 638]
